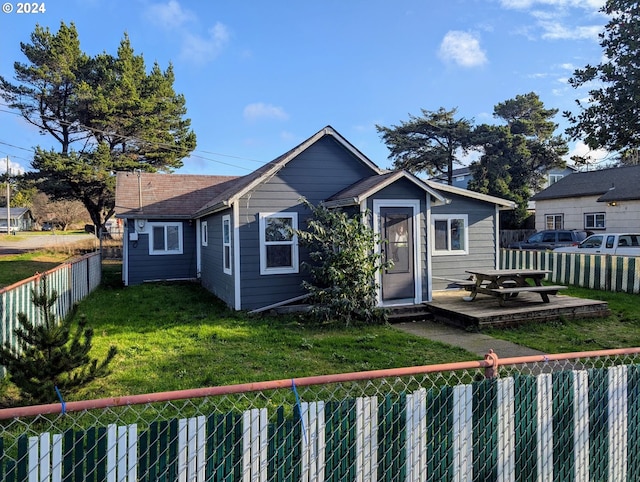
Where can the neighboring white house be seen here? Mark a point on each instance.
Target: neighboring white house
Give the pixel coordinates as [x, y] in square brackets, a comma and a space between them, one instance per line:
[604, 200]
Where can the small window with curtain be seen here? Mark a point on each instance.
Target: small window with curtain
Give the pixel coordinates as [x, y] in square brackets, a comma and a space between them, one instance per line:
[166, 238]
[278, 243]
[204, 233]
[554, 221]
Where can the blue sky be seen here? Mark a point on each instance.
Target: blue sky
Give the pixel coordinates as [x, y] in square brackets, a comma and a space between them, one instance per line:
[261, 76]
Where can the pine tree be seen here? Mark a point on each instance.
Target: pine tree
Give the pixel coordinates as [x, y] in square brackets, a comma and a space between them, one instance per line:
[51, 354]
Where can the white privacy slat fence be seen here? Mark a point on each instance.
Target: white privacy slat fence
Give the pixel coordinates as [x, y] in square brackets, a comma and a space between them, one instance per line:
[568, 425]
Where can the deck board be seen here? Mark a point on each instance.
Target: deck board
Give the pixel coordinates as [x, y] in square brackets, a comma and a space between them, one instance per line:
[449, 307]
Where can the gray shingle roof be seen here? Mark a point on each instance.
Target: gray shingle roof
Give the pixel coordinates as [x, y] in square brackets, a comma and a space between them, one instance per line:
[615, 184]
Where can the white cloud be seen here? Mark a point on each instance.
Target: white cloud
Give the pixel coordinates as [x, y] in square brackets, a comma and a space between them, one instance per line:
[169, 15]
[14, 167]
[200, 49]
[525, 4]
[462, 48]
[260, 110]
[580, 149]
[184, 25]
[555, 31]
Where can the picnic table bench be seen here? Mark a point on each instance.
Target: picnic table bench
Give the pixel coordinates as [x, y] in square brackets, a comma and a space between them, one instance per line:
[509, 283]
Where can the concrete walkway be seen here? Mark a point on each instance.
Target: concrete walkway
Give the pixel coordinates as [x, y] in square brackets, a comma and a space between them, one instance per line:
[476, 343]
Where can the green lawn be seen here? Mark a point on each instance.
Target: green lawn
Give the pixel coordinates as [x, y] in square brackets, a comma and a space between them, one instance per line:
[15, 268]
[620, 330]
[179, 336]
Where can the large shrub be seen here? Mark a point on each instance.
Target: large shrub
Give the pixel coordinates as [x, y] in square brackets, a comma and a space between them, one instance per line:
[343, 267]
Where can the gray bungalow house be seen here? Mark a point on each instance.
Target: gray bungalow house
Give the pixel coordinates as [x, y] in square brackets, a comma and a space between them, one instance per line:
[603, 200]
[231, 233]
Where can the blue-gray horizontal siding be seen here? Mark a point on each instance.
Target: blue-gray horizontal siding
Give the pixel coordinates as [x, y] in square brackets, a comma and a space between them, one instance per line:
[213, 276]
[144, 267]
[482, 242]
[316, 174]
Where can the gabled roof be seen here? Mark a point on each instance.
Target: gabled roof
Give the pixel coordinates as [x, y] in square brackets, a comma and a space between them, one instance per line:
[615, 184]
[176, 196]
[504, 203]
[15, 213]
[250, 181]
[364, 188]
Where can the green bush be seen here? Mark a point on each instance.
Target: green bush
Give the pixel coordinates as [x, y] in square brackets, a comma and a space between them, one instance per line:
[343, 266]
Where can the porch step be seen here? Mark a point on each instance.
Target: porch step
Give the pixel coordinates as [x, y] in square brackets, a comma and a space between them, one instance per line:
[399, 314]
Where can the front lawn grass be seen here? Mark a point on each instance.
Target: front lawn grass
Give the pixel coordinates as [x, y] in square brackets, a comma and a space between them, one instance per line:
[14, 268]
[619, 330]
[178, 336]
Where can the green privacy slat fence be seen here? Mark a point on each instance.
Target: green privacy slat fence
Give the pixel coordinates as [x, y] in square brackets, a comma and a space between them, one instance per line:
[572, 425]
[73, 281]
[602, 272]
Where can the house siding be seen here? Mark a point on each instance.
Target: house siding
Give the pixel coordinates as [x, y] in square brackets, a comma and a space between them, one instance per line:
[213, 277]
[318, 172]
[482, 241]
[143, 267]
[624, 216]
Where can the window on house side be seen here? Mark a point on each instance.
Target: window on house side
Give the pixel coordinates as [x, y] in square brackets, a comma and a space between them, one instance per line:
[594, 221]
[226, 244]
[278, 243]
[204, 233]
[450, 234]
[166, 238]
[554, 221]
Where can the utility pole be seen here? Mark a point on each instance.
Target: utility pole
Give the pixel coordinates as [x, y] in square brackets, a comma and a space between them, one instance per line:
[8, 201]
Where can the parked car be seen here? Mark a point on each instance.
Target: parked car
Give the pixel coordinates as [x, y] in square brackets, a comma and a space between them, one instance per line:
[551, 239]
[622, 244]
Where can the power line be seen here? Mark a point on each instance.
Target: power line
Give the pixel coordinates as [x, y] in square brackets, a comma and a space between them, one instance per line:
[137, 139]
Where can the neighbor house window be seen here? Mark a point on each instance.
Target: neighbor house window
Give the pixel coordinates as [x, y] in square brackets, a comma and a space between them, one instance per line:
[166, 238]
[226, 244]
[594, 221]
[450, 234]
[554, 221]
[278, 243]
[553, 178]
[204, 233]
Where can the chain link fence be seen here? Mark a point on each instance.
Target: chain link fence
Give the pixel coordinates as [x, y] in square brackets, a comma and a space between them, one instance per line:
[562, 417]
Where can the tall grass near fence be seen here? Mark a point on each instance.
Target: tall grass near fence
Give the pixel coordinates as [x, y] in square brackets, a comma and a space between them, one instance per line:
[557, 417]
[72, 281]
[600, 272]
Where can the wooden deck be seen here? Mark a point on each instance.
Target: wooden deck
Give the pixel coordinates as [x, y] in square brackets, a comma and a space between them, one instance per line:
[450, 307]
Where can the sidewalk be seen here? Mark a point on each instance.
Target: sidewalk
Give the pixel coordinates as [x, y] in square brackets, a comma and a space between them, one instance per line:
[476, 343]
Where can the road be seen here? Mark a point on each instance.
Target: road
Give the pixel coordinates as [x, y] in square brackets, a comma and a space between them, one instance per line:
[21, 244]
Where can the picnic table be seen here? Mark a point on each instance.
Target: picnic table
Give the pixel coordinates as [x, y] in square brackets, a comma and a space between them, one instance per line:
[505, 284]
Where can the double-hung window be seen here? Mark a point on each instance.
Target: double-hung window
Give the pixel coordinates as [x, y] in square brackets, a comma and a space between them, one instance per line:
[226, 244]
[278, 243]
[166, 238]
[450, 234]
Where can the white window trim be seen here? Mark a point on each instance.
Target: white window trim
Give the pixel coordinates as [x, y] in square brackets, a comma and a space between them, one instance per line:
[264, 270]
[593, 216]
[554, 216]
[448, 218]
[226, 219]
[204, 234]
[165, 252]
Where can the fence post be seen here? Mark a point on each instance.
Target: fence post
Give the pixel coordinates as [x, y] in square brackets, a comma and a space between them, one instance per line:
[491, 371]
